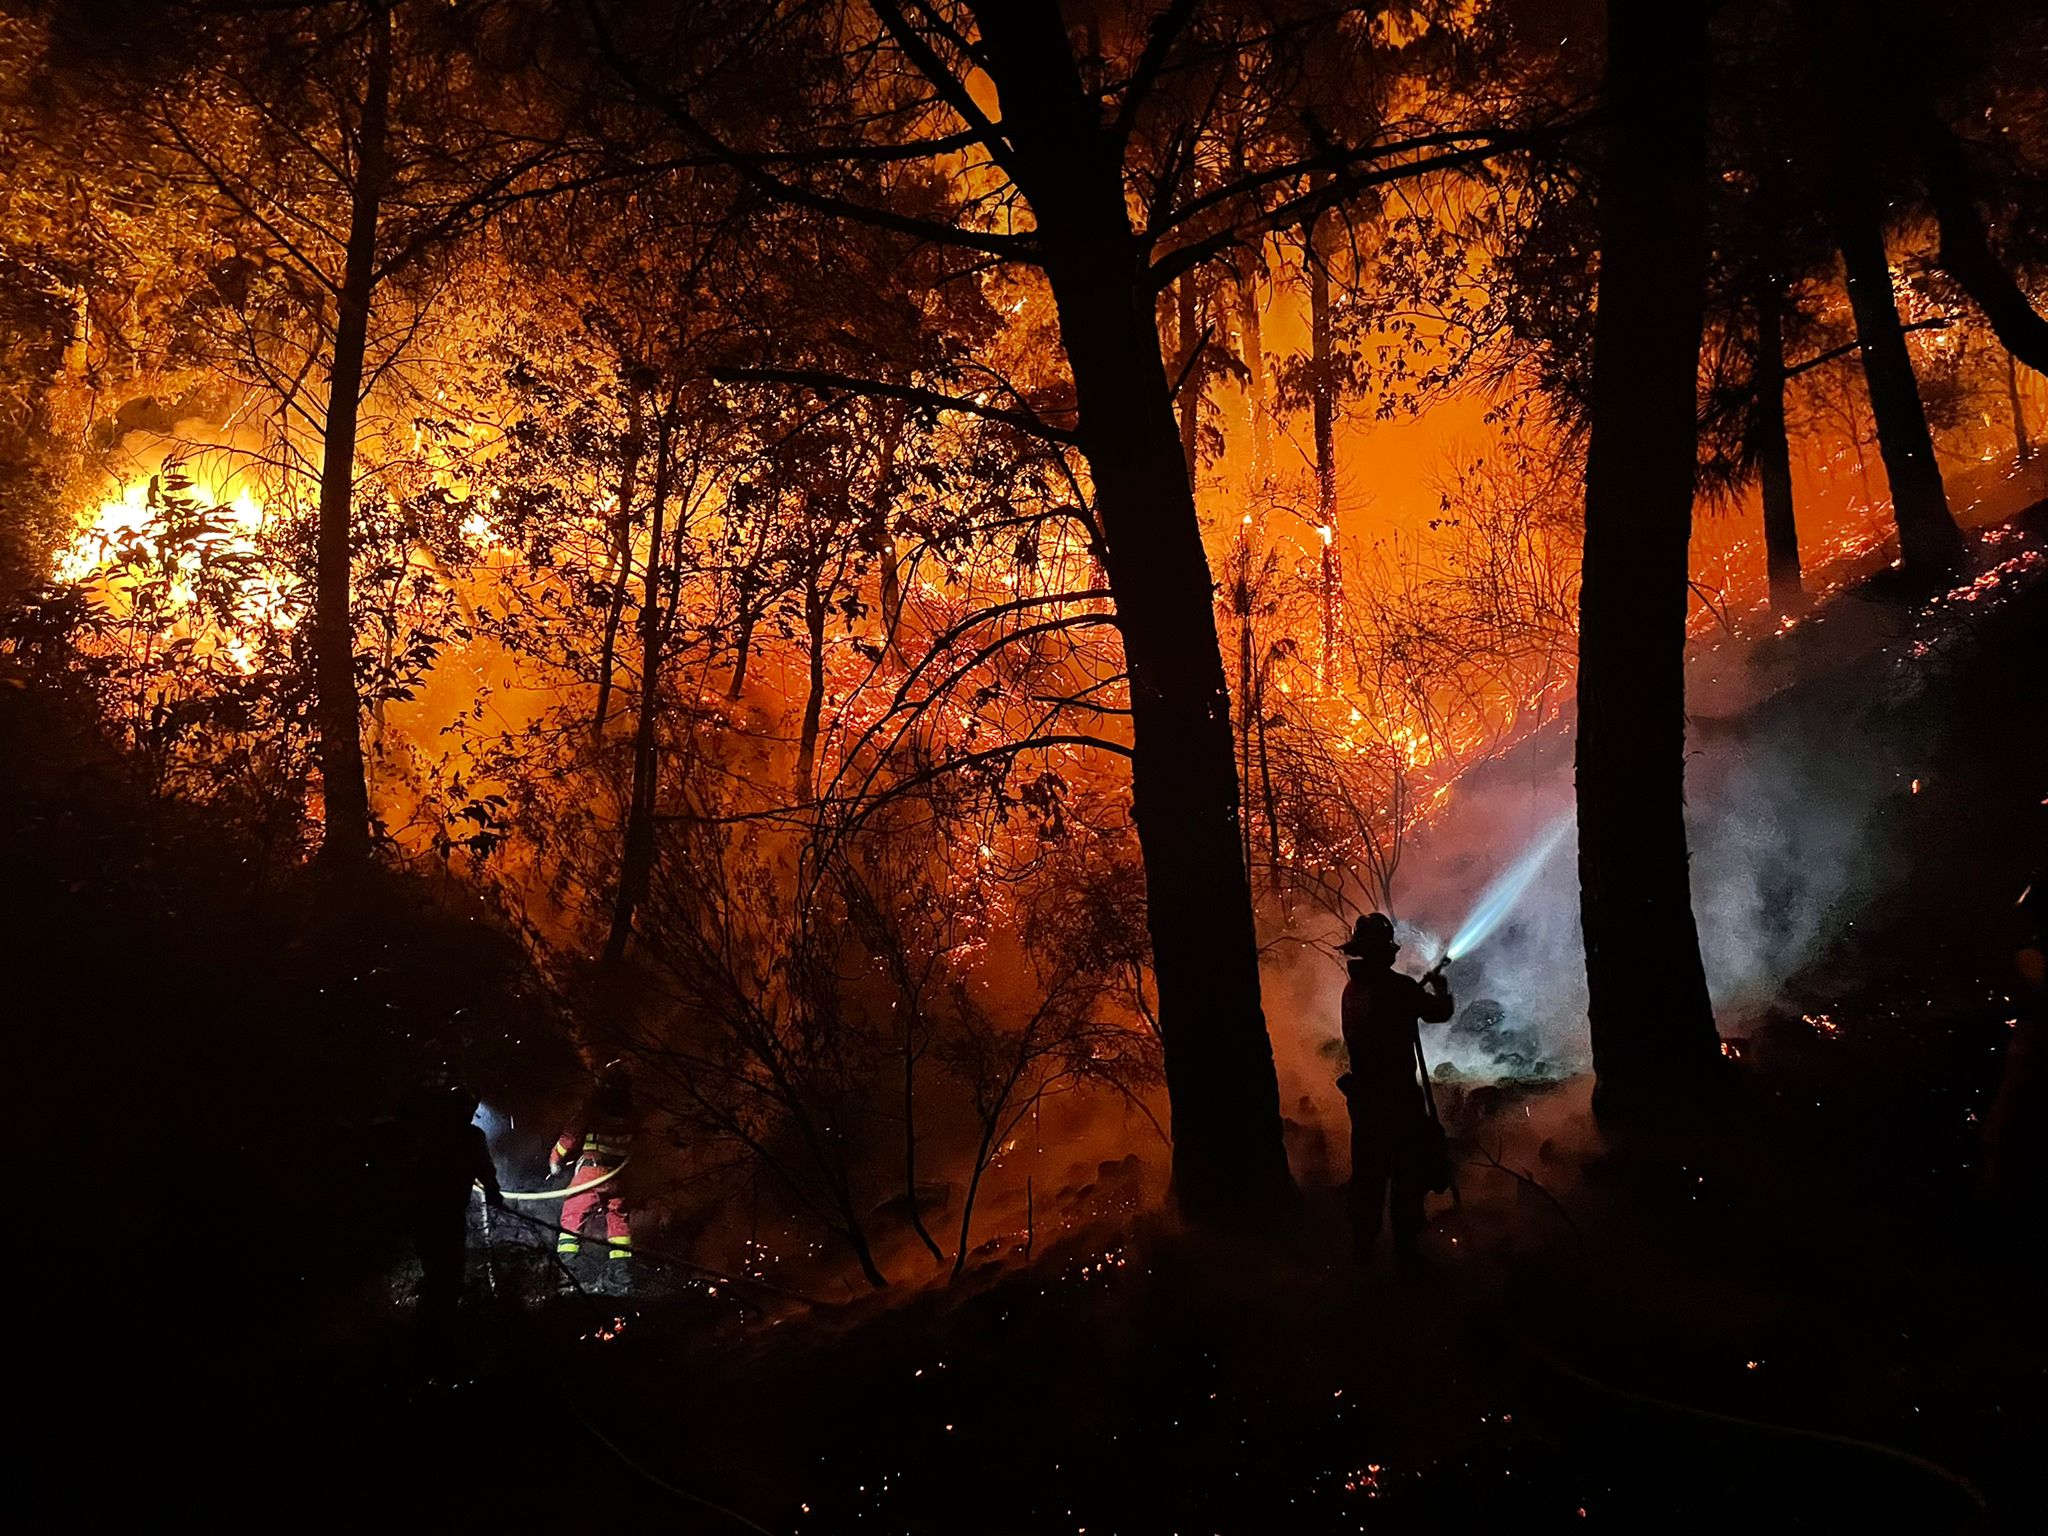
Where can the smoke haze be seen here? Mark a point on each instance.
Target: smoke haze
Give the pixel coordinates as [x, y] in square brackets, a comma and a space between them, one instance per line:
[1788, 790]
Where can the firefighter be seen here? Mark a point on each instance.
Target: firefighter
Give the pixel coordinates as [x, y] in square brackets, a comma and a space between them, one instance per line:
[446, 1155]
[1393, 1136]
[598, 1141]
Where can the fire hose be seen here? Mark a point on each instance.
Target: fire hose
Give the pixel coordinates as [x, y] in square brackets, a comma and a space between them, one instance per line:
[1961, 1486]
[562, 1194]
[569, 1397]
[1551, 1361]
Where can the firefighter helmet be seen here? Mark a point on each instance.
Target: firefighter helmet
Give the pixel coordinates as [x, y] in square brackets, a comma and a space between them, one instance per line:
[1372, 937]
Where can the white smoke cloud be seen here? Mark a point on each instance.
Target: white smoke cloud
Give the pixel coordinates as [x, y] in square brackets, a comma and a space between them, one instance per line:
[1785, 815]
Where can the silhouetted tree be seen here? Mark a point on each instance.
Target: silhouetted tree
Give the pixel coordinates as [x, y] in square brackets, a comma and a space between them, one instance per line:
[351, 142]
[1097, 132]
[1652, 1026]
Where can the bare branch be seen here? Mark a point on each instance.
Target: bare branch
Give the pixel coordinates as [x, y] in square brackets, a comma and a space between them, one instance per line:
[824, 381]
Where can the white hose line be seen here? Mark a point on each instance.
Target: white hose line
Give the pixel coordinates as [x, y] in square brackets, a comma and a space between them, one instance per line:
[562, 1194]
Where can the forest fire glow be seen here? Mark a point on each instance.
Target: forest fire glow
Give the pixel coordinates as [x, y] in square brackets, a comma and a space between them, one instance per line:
[844, 603]
[130, 521]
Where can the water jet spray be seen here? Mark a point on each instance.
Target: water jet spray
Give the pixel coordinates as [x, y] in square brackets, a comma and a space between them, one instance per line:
[1499, 898]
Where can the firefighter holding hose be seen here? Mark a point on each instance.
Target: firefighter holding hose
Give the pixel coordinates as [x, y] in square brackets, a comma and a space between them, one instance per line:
[1395, 1141]
[598, 1142]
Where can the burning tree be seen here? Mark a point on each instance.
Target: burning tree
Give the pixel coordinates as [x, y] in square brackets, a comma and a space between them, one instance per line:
[1092, 125]
[345, 147]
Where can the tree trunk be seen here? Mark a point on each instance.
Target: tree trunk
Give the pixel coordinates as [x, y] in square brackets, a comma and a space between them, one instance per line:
[892, 593]
[856, 1237]
[967, 1206]
[1246, 708]
[910, 1141]
[815, 610]
[1930, 543]
[1188, 374]
[743, 648]
[1270, 800]
[1965, 252]
[1323, 386]
[1773, 453]
[636, 858]
[345, 832]
[629, 471]
[1229, 1164]
[2023, 448]
[1252, 324]
[1653, 1033]
[884, 537]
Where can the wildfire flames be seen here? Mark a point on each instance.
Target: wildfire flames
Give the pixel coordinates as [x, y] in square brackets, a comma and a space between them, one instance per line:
[143, 544]
[139, 553]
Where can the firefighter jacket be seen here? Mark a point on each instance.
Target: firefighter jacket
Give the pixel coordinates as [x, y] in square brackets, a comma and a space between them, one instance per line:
[1381, 1009]
[600, 1144]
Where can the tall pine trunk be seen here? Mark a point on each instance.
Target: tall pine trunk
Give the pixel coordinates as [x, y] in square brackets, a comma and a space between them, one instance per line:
[1652, 1026]
[2022, 445]
[636, 856]
[1251, 327]
[1241, 603]
[338, 712]
[622, 546]
[1323, 416]
[1965, 252]
[1188, 373]
[1268, 797]
[815, 612]
[1229, 1164]
[884, 537]
[1930, 543]
[1773, 452]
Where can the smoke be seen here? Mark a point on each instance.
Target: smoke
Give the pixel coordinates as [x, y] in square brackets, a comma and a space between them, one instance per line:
[1787, 797]
[1529, 966]
[1788, 851]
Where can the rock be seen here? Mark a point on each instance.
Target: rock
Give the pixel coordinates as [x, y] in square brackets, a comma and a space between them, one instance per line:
[1482, 1017]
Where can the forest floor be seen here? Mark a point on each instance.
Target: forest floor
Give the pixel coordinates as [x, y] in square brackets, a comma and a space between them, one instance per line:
[1807, 1312]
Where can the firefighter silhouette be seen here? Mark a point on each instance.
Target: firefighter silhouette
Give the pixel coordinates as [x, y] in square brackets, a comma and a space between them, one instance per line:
[1395, 1140]
[446, 1155]
[598, 1142]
